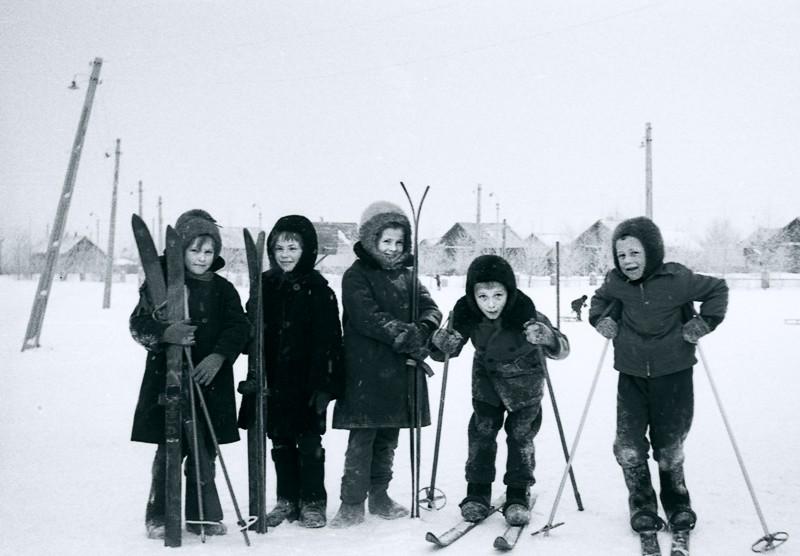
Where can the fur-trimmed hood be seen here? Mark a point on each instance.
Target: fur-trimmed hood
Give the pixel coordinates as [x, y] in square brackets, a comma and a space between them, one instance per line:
[377, 217]
[645, 230]
[303, 227]
[491, 268]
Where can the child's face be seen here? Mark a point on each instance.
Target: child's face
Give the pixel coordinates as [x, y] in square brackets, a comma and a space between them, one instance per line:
[390, 244]
[199, 255]
[631, 257]
[287, 253]
[491, 297]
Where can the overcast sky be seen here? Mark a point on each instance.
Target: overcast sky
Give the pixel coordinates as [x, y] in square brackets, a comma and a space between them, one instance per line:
[320, 107]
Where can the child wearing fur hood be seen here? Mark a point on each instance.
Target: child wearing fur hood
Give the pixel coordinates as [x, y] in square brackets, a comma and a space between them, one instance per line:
[507, 382]
[379, 340]
[646, 306]
[302, 348]
[216, 334]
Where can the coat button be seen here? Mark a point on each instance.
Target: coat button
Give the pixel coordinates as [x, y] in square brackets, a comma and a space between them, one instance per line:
[296, 287]
[204, 320]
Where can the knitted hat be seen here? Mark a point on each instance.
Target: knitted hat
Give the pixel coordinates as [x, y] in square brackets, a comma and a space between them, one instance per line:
[197, 222]
[491, 268]
[645, 230]
[377, 217]
[303, 227]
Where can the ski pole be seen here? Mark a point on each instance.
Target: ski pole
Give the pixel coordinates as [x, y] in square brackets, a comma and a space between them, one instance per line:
[770, 540]
[195, 451]
[560, 428]
[546, 528]
[431, 492]
[243, 524]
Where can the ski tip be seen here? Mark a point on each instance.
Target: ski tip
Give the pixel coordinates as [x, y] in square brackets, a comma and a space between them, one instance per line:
[430, 537]
[500, 543]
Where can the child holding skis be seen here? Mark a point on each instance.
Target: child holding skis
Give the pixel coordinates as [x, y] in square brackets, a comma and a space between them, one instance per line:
[216, 334]
[379, 341]
[507, 382]
[654, 329]
[302, 339]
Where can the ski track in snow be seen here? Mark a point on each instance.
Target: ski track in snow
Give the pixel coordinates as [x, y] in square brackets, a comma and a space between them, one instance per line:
[72, 482]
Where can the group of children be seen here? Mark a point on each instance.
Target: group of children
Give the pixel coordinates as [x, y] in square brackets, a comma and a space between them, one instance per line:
[645, 306]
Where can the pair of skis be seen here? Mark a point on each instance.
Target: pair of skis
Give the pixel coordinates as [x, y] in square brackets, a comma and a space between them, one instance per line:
[170, 295]
[505, 542]
[679, 545]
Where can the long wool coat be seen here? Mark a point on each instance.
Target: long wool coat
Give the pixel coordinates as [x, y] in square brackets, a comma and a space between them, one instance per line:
[377, 392]
[222, 327]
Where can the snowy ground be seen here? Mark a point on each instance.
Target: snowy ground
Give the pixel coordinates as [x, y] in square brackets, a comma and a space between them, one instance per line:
[72, 482]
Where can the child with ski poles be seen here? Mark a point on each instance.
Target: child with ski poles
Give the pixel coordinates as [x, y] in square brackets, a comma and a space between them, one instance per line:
[379, 341]
[507, 382]
[654, 331]
[302, 344]
[216, 334]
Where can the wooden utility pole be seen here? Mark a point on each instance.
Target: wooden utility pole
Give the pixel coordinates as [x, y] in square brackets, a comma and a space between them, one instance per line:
[46, 279]
[141, 213]
[478, 241]
[648, 171]
[503, 244]
[111, 229]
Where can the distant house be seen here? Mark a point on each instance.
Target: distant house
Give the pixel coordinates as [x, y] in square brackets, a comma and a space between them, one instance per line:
[459, 244]
[774, 249]
[588, 253]
[233, 247]
[77, 255]
[336, 240]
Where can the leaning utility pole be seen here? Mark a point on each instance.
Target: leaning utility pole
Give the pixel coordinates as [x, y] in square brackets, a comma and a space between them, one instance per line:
[111, 228]
[46, 279]
[141, 213]
[160, 224]
[478, 242]
[648, 171]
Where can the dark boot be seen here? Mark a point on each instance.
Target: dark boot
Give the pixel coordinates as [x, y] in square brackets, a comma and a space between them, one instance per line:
[675, 499]
[642, 499]
[284, 510]
[381, 505]
[312, 514]
[287, 476]
[517, 507]
[311, 457]
[476, 506]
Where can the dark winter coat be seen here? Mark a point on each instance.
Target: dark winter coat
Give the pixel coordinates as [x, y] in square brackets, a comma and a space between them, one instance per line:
[649, 341]
[302, 339]
[374, 300]
[506, 369]
[222, 327]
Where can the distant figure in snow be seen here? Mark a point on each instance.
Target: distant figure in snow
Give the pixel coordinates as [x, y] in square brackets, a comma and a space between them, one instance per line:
[438, 282]
[577, 305]
[646, 306]
[217, 332]
[303, 351]
[382, 350]
[507, 382]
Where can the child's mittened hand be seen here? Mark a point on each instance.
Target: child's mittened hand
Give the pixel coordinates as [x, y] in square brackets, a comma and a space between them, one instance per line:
[538, 334]
[180, 333]
[695, 329]
[207, 369]
[446, 341]
[607, 327]
[411, 339]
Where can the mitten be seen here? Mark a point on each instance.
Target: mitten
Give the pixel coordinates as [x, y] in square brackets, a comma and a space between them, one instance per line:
[207, 369]
[319, 401]
[180, 333]
[539, 334]
[446, 341]
[607, 327]
[249, 386]
[411, 339]
[695, 329]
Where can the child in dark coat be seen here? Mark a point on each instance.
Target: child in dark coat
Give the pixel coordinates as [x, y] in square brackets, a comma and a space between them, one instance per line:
[577, 306]
[651, 320]
[303, 344]
[217, 333]
[379, 341]
[507, 381]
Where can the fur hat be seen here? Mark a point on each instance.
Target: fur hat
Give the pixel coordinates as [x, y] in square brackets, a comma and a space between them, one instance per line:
[302, 226]
[197, 222]
[491, 268]
[645, 230]
[377, 217]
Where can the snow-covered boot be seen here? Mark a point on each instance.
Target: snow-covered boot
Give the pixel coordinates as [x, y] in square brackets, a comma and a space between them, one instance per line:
[210, 529]
[283, 510]
[517, 506]
[476, 506]
[312, 514]
[675, 499]
[155, 528]
[348, 515]
[381, 505]
[642, 499]
[682, 519]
